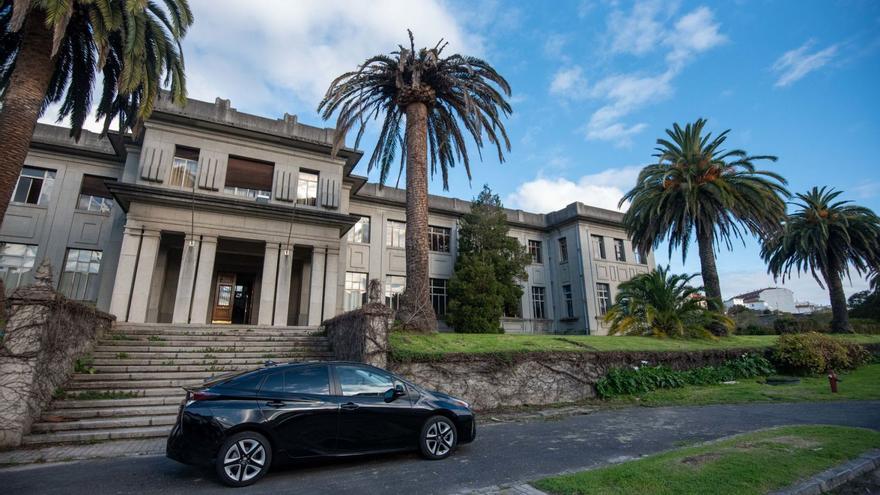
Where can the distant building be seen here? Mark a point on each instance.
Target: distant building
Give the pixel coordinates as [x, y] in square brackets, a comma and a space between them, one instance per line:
[771, 298]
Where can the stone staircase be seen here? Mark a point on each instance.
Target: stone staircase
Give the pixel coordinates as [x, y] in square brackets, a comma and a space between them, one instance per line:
[131, 385]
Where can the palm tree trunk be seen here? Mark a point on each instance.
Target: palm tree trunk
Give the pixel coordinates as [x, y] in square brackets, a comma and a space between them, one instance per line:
[706, 247]
[23, 102]
[416, 312]
[839, 315]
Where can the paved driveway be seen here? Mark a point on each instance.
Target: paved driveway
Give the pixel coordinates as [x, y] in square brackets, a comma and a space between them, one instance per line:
[503, 453]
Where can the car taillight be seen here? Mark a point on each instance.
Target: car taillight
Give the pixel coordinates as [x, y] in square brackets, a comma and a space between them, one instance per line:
[197, 396]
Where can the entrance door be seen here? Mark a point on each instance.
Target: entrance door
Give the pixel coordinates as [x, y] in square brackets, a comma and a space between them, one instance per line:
[223, 298]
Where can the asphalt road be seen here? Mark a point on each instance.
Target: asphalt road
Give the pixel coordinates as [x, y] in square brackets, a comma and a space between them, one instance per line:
[502, 453]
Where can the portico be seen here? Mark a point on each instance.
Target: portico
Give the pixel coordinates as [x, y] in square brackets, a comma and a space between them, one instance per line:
[200, 259]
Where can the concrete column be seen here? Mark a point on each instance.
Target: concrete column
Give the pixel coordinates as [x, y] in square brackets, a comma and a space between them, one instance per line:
[198, 311]
[125, 273]
[186, 279]
[267, 289]
[316, 287]
[331, 284]
[143, 277]
[282, 291]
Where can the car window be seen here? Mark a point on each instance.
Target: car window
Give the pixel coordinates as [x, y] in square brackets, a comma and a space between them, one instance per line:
[363, 382]
[248, 382]
[311, 380]
[305, 380]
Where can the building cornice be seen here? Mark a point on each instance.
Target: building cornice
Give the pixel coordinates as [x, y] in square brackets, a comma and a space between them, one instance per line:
[126, 193]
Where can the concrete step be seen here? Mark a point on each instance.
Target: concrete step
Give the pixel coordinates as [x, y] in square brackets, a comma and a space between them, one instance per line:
[97, 435]
[104, 423]
[215, 332]
[74, 386]
[133, 345]
[104, 370]
[128, 392]
[264, 355]
[129, 364]
[153, 338]
[196, 327]
[316, 342]
[159, 375]
[157, 401]
[109, 412]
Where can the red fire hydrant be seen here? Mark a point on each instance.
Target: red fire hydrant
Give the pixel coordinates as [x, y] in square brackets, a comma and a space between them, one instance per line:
[832, 380]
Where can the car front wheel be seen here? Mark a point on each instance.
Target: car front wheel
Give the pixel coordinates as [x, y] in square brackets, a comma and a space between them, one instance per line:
[438, 439]
[243, 459]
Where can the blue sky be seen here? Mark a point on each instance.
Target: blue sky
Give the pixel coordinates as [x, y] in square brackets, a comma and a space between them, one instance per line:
[595, 83]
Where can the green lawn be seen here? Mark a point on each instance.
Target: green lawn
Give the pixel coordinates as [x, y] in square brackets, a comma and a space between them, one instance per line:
[754, 463]
[406, 346]
[861, 384]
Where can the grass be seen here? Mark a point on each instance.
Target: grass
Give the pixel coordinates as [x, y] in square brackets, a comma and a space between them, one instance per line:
[754, 463]
[432, 347]
[861, 384]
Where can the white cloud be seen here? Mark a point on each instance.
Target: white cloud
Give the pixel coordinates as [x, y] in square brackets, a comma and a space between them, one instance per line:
[546, 194]
[259, 53]
[644, 29]
[569, 82]
[795, 64]
[555, 45]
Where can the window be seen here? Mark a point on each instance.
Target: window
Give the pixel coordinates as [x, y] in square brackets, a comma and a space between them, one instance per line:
[94, 195]
[535, 252]
[603, 293]
[249, 178]
[598, 247]
[563, 250]
[538, 312]
[569, 302]
[641, 257]
[314, 380]
[438, 296]
[355, 290]
[513, 310]
[307, 188]
[34, 186]
[360, 232]
[16, 260]
[184, 168]
[394, 287]
[363, 382]
[439, 239]
[79, 280]
[619, 250]
[395, 234]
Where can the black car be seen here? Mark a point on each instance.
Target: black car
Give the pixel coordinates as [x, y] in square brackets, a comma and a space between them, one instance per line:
[243, 423]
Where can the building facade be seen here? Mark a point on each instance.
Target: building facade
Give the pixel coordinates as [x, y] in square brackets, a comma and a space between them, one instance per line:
[210, 215]
[770, 299]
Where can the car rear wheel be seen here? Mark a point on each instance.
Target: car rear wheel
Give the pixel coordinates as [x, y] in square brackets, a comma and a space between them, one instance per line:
[438, 439]
[243, 459]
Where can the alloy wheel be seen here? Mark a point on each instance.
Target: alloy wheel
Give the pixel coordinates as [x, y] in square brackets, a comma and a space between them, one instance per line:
[244, 460]
[439, 438]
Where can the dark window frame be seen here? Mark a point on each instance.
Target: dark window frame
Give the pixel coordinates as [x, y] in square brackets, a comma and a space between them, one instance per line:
[535, 251]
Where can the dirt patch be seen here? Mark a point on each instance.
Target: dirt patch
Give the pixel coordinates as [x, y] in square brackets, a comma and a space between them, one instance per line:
[700, 460]
[787, 440]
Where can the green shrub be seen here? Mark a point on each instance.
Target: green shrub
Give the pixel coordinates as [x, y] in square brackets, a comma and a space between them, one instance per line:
[813, 353]
[865, 325]
[642, 379]
[753, 329]
[788, 325]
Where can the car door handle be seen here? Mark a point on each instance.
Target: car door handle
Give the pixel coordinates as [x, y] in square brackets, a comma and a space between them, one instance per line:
[349, 406]
[275, 403]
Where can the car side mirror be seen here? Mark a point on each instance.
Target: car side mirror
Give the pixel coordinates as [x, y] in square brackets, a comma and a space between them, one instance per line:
[393, 394]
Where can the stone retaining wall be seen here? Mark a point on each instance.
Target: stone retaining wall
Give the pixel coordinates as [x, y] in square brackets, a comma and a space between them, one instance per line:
[360, 335]
[44, 335]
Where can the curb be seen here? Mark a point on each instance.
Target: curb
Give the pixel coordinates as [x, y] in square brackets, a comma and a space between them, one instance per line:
[836, 476]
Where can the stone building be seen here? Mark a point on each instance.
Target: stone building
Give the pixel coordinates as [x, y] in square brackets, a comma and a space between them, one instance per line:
[211, 215]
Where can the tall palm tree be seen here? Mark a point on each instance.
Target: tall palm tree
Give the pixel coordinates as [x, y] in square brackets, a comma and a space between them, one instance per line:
[440, 99]
[53, 50]
[697, 188]
[825, 237]
[662, 304]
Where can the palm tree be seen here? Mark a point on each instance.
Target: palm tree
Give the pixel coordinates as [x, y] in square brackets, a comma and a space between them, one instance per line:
[442, 99]
[826, 237]
[661, 304]
[698, 188]
[52, 51]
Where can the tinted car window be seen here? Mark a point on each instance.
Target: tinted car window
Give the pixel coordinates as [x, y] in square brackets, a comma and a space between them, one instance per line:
[364, 382]
[311, 380]
[250, 381]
